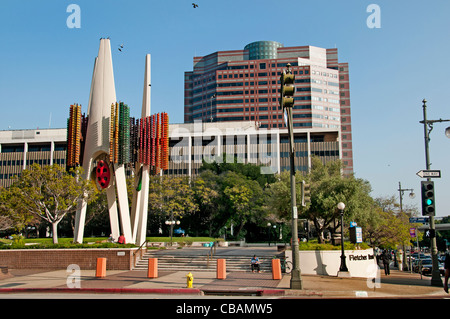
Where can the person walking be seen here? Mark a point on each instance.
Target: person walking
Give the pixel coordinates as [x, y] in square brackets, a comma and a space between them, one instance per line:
[386, 257]
[447, 271]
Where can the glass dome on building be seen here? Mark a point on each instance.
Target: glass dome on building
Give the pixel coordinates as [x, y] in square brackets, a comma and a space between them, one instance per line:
[263, 50]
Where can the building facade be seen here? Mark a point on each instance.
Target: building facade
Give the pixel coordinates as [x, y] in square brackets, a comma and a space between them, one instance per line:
[19, 149]
[189, 145]
[244, 85]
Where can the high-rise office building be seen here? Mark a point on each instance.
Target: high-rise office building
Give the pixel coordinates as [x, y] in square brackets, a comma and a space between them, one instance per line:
[244, 85]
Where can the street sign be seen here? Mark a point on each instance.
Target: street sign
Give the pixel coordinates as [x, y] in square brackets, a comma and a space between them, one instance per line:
[422, 220]
[424, 173]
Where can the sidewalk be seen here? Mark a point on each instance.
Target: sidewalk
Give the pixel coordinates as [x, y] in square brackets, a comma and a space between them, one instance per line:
[397, 285]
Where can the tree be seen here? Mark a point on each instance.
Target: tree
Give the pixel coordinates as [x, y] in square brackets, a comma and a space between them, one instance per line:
[50, 193]
[277, 197]
[206, 195]
[328, 188]
[393, 228]
[10, 216]
[244, 199]
[240, 200]
[250, 171]
[170, 196]
[236, 196]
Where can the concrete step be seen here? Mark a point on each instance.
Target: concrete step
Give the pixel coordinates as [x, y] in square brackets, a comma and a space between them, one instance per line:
[189, 263]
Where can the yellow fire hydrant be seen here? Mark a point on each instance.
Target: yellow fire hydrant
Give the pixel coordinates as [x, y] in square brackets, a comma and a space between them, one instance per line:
[190, 280]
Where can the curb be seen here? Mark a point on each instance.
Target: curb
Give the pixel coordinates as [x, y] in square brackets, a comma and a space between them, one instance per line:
[245, 292]
[176, 291]
[179, 291]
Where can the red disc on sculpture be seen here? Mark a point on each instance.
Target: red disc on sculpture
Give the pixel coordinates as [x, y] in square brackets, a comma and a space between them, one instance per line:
[103, 174]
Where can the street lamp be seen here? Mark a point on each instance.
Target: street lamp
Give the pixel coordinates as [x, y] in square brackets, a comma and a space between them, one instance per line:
[402, 192]
[171, 223]
[411, 195]
[343, 270]
[447, 132]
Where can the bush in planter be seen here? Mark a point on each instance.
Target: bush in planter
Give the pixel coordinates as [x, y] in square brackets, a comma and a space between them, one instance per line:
[187, 241]
[17, 241]
[314, 245]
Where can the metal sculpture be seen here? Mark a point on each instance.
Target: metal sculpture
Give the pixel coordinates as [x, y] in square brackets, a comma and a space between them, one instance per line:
[107, 140]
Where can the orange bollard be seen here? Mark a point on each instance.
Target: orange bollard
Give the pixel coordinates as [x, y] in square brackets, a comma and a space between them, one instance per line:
[221, 269]
[101, 268]
[276, 269]
[152, 268]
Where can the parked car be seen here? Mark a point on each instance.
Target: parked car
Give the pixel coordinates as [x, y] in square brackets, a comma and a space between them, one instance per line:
[427, 267]
[416, 255]
[417, 262]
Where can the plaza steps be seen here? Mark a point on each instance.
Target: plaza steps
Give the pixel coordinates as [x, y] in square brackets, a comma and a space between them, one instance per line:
[168, 262]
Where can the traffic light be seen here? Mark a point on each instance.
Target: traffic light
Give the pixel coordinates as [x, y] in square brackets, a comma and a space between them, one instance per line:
[287, 88]
[430, 233]
[306, 193]
[428, 203]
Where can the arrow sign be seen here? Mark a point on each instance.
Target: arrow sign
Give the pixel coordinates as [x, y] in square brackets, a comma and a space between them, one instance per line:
[429, 173]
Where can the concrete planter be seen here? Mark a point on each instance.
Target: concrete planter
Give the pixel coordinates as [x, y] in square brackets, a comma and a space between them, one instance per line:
[360, 263]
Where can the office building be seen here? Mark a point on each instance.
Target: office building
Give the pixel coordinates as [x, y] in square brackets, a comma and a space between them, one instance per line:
[189, 145]
[243, 85]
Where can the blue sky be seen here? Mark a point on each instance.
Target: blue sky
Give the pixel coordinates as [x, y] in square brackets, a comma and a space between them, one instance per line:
[46, 66]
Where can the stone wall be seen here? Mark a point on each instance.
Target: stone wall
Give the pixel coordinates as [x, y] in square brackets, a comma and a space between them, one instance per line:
[116, 258]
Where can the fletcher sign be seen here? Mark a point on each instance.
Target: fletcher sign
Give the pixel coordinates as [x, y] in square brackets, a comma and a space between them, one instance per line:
[360, 257]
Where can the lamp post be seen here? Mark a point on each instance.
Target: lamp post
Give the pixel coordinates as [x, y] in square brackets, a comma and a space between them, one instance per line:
[171, 223]
[343, 270]
[411, 195]
[402, 192]
[428, 127]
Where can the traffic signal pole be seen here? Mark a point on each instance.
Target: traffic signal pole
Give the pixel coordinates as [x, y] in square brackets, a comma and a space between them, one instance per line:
[287, 103]
[296, 281]
[435, 276]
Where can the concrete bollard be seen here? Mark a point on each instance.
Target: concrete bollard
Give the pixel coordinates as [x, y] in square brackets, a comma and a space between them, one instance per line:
[276, 269]
[221, 269]
[152, 268]
[101, 268]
